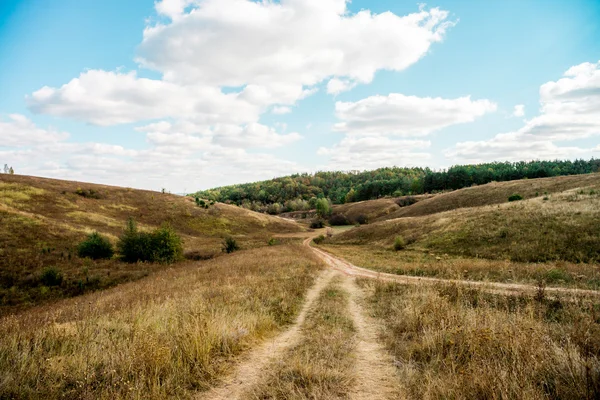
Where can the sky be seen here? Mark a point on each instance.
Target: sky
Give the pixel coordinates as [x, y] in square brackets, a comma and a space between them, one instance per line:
[192, 94]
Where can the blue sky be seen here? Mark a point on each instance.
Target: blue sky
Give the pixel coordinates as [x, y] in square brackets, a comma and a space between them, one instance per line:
[191, 94]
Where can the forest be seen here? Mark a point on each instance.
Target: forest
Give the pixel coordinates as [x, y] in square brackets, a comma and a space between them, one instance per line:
[301, 191]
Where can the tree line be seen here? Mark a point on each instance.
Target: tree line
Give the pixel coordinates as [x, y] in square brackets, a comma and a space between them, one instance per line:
[302, 191]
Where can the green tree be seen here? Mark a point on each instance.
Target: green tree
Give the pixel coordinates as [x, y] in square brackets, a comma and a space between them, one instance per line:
[323, 208]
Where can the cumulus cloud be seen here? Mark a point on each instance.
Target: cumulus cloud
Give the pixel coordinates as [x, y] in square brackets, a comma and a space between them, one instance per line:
[357, 153]
[570, 110]
[224, 63]
[110, 98]
[402, 115]
[519, 110]
[177, 157]
[19, 131]
[336, 86]
[294, 42]
[280, 110]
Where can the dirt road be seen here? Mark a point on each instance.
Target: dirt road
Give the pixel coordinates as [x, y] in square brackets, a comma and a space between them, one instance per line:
[491, 287]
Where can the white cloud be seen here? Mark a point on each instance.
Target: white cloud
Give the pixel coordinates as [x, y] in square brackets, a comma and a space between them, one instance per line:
[402, 115]
[292, 42]
[280, 110]
[175, 159]
[19, 131]
[519, 110]
[358, 153]
[336, 86]
[570, 110]
[110, 98]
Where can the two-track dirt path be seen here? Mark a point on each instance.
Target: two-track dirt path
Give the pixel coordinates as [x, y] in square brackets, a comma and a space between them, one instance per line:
[490, 287]
[374, 369]
[251, 368]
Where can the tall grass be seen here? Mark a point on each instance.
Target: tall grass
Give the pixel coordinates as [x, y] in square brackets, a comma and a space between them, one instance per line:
[165, 336]
[320, 367]
[459, 343]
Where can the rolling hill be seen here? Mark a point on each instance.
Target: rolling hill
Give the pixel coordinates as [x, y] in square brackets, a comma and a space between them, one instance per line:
[43, 220]
[562, 225]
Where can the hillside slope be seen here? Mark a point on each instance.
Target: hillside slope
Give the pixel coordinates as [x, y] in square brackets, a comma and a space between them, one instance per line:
[43, 220]
[493, 193]
[562, 226]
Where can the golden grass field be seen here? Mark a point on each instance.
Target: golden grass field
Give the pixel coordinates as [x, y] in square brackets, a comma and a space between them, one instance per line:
[459, 343]
[43, 220]
[171, 334]
[271, 322]
[552, 238]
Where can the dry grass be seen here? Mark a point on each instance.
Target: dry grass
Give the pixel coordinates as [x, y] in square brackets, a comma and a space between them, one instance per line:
[320, 367]
[43, 220]
[373, 209]
[439, 265]
[458, 343]
[164, 336]
[494, 193]
[563, 227]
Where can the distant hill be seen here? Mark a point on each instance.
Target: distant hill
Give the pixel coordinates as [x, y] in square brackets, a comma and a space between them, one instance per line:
[299, 192]
[43, 220]
[480, 222]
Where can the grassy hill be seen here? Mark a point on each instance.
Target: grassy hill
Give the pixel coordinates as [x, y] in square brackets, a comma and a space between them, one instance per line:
[493, 193]
[558, 232]
[43, 220]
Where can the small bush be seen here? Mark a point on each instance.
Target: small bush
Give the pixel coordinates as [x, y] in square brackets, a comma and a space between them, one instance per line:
[338, 220]
[230, 245]
[362, 219]
[399, 243]
[319, 239]
[317, 224]
[196, 255]
[165, 245]
[51, 276]
[406, 201]
[162, 245]
[96, 247]
[515, 197]
[272, 242]
[87, 193]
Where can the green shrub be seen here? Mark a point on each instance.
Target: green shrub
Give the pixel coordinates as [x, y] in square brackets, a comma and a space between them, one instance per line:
[166, 245]
[399, 243]
[319, 239]
[317, 224]
[338, 220]
[230, 245]
[88, 193]
[161, 245]
[272, 242]
[96, 247]
[51, 276]
[515, 197]
[406, 201]
[362, 219]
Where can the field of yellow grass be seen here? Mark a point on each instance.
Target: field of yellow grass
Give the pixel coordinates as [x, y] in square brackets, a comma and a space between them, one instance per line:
[452, 342]
[551, 238]
[169, 335]
[43, 220]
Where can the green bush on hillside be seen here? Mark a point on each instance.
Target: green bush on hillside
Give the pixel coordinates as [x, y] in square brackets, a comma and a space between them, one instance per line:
[51, 276]
[338, 220]
[515, 197]
[230, 245]
[162, 245]
[319, 239]
[96, 247]
[317, 224]
[399, 243]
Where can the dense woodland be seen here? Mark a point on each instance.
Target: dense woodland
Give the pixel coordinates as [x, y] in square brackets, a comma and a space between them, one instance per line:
[301, 191]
